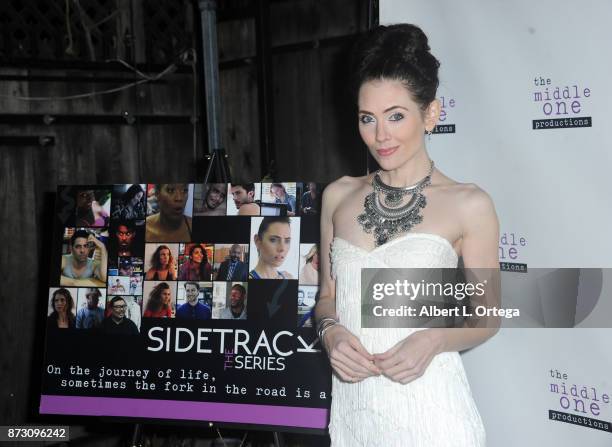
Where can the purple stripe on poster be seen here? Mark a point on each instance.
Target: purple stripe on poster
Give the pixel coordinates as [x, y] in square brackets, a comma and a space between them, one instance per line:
[185, 410]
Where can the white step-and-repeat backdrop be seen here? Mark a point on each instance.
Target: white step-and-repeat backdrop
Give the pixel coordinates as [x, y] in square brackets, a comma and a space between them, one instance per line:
[526, 90]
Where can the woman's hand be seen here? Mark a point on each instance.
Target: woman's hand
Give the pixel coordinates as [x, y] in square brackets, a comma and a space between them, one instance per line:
[350, 360]
[409, 358]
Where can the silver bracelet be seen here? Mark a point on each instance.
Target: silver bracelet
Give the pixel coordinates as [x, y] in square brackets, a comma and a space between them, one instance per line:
[324, 321]
[322, 333]
[325, 324]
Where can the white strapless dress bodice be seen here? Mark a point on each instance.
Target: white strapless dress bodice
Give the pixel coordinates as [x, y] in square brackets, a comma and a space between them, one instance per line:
[435, 410]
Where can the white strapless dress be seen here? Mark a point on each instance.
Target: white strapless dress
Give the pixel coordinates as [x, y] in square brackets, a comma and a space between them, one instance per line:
[435, 410]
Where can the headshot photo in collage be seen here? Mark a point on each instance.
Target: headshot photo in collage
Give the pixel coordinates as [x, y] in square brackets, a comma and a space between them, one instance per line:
[129, 202]
[92, 207]
[274, 247]
[244, 199]
[210, 199]
[195, 262]
[122, 316]
[129, 253]
[133, 308]
[194, 300]
[279, 199]
[61, 311]
[90, 307]
[84, 259]
[169, 212]
[311, 199]
[126, 240]
[231, 262]
[230, 300]
[161, 262]
[159, 299]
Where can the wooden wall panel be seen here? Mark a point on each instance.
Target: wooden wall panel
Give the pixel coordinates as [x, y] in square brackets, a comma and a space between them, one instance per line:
[347, 153]
[297, 114]
[10, 89]
[19, 262]
[166, 153]
[240, 122]
[314, 117]
[306, 20]
[236, 39]
[172, 97]
[101, 104]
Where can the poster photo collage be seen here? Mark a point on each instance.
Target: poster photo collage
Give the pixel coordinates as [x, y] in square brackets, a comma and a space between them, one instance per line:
[186, 251]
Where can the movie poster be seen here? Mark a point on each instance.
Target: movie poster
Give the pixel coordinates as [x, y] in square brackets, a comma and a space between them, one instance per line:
[190, 302]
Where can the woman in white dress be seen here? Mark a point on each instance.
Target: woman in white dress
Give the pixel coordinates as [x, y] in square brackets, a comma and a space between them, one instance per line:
[399, 387]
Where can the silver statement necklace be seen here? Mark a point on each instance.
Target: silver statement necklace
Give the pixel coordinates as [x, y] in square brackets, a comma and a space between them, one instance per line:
[389, 219]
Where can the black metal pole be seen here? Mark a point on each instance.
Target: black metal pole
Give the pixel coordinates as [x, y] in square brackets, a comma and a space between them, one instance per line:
[217, 161]
[264, 92]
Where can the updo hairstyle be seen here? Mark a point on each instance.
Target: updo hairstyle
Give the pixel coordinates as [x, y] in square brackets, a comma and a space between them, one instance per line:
[396, 52]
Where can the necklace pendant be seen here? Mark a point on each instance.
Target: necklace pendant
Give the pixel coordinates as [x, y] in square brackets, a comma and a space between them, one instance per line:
[390, 218]
[393, 198]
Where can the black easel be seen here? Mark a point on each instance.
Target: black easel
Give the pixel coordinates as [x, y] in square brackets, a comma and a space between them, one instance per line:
[217, 169]
[279, 439]
[217, 166]
[136, 436]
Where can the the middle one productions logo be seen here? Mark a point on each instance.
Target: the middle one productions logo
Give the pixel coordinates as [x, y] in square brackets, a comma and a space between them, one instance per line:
[511, 247]
[585, 405]
[560, 106]
[447, 111]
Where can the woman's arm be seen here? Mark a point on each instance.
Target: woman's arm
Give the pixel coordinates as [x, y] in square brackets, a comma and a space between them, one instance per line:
[350, 360]
[479, 250]
[408, 359]
[326, 306]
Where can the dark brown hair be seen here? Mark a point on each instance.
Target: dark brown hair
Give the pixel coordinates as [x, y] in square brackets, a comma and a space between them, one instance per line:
[396, 52]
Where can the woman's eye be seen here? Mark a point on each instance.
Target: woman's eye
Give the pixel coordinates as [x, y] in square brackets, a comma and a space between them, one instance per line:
[396, 116]
[365, 119]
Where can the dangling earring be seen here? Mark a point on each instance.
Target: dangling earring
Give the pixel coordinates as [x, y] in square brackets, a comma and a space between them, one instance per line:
[428, 133]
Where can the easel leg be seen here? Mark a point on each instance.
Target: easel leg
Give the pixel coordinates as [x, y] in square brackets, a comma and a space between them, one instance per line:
[137, 436]
[279, 439]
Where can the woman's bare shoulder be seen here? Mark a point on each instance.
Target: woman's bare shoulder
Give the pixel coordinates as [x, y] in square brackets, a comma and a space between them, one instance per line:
[472, 201]
[468, 195]
[347, 181]
[472, 195]
[339, 189]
